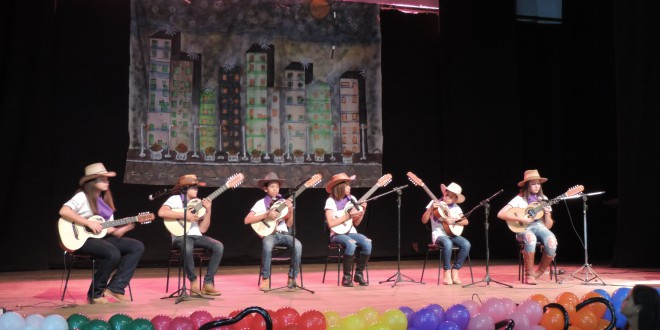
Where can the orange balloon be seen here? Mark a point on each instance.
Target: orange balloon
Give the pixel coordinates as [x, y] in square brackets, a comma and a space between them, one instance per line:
[597, 308]
[570, 309]
[572, 327]
[602, 324]
[585, 319]
[568, 296]
[552, 319]
[539, 298]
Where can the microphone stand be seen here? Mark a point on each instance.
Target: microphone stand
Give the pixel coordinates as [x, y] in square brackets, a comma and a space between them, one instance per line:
[293, 234]
[487, 279]
[589, 273]
[182, 293]
[399, 276]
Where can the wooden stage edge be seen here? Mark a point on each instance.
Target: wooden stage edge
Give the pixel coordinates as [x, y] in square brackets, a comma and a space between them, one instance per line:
[39, 292]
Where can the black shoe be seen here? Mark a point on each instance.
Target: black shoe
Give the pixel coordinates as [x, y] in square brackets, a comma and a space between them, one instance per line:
[346, 280]
[360, 279]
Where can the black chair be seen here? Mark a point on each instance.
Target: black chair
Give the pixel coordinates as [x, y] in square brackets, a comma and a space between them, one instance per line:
[199, 254]
[521, 266]
[435, 247]
[336, 251]
[73, 258]
[281, 254]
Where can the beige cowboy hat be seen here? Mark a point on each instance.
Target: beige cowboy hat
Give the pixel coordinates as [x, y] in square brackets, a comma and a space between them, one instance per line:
[456, 189]
[270, 177]
[337, 179]
[94, 171]
[188, 180]
[531, 175]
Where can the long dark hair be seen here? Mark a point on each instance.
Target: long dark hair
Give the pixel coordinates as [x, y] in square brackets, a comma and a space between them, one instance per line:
[648, 298]
[90, 192]
[524, 191]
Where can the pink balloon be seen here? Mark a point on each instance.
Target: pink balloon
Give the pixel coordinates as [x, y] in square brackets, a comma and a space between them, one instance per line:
[521, 320]
[481, 321]
[509, 305]
[537, 327]
[471, 305]
[161, 322]
[533, 310]
[200, 318]
[181, 323]
[494, 308]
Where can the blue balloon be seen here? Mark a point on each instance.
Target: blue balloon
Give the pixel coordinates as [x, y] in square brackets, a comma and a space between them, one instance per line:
[448, 325]
[608, 314]
[621, 320]
[458, 314]
[619, 294]
[409, 312]
[438, 310]
[425, 319]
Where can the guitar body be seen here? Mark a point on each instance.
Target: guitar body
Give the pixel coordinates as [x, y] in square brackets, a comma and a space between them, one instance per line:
[267, 227]
[73, 236]
[533, 212]
[344, 227]
[452, 230]
[175, 226]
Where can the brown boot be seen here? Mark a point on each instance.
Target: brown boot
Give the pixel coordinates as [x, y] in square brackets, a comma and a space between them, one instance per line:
[265, 284]
[194, 287]
[543, 265]
[528, 266]
[209, 289]
[454, 276]
[447, 280]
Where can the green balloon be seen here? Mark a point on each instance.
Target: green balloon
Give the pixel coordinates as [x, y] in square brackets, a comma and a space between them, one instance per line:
[120, 321]
[141, 324]
[77, 321]
[97, 325]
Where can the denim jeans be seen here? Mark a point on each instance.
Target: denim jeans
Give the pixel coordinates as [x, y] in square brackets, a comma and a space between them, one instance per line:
[280, 239]
[537, 231]
[447, 243]
[352, 240]
[206, 243]
[111, 252]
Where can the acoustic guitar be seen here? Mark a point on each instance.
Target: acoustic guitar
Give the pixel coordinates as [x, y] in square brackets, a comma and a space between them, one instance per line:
[534, 211]
[441, 212]
[267, 227]
[175, 226]
[346, 226]
[73, 235]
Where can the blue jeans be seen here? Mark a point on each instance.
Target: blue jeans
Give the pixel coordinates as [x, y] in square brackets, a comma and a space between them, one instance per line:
[206, 243]
[111, 252]
[447, 243]
[281, 239]
[538, 231]
[352, 240]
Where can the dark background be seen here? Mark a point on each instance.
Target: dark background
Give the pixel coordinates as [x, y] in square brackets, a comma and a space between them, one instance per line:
[470, 95]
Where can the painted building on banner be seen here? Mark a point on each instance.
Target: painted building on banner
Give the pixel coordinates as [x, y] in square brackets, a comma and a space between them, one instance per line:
[319, 116]
[259, 64]
[296, 76]
[229, 112]
[352, 110]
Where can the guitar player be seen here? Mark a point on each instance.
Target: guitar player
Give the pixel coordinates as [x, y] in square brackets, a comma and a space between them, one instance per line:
[446, 211]
[537, 228]
[264, 210]
[113, 251]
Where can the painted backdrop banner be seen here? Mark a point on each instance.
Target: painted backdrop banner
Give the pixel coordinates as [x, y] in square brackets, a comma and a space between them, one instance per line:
[227, 86]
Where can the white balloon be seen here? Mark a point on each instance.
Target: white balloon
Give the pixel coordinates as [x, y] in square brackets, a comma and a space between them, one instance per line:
[54, 322]
[35, 320]
[31, 327]
[11, 321]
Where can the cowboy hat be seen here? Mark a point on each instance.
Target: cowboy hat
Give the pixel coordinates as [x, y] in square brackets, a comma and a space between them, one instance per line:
[456, 189]
[270, 177]
[531, 175]
[337, 179]
[94, 171]
[188, 180]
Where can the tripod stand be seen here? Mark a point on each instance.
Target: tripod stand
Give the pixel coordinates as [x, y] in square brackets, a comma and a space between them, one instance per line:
[293, 196]
[588, 271]
[182, 293]
[398, 276]
[487, 279]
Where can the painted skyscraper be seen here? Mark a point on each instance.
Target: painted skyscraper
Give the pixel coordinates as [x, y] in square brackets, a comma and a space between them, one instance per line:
[319, 116]
[229, 88]
[352, 110]
[259, 71]
[296, 76]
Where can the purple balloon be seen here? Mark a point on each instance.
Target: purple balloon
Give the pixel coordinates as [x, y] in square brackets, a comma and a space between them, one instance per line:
[520, 319]
[447, 325]
[458, 314]
[471, 305]
[533, 310]
[425, 319]
[408, 312]
[494, 308]
[481, 321]
[509, 305]
[438, 310]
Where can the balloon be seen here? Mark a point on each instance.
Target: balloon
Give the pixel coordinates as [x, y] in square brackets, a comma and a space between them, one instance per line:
[602, 324]
[621, 319]
[471, 305]
[368, 314]
[141, 323]
[541, 299]
[567, 297]
[54, 322]
[200, 317]
[521, 320]
[332, 318]
[352, 321]
[247, 320]
[12, 321]
[97, 324]
[161, 322]
[537, 327]
[619, 294]
[312, 320]
[533, 310]
[494, 308]
[585, 319]
[570, 309]
[76, 321]
[595, 307]
[409, 312]
[287, 315]
[35, 320]
[181, 323]
[120, 321]
[425, 319]
[228, 327]
[438, 310]
[459, 315]
[395, 319]
[447, 325]
[509, 305]
[481, 321]
[258, 323]
[286, 327]
[552, 319]
[608, 314]
[378, 326]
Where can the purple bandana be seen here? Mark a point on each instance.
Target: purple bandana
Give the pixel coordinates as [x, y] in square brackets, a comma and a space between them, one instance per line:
[104, 209]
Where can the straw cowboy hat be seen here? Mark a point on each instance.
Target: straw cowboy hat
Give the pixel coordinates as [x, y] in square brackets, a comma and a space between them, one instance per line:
[456, 189]
[94, 171]
[337, 179]
[189, 180]
[270, 177]
[531, 175]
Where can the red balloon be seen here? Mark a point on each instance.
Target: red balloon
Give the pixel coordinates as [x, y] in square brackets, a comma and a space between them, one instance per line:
[258, 323]
[224, 327]
[161, 322]
[312, 320]
[181, 323]
[287, 316]
[200, 318]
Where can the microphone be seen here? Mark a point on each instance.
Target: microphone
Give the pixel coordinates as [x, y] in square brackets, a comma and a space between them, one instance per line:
[332, 54]
[163, 192]
[355, 202]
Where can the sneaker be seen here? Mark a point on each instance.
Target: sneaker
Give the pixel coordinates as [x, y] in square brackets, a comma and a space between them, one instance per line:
[265, 284]
[117, 296]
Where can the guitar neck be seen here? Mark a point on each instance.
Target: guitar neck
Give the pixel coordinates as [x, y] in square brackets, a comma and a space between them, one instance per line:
[211, 196]
[118, 222]
[368, 194]
[428, 192]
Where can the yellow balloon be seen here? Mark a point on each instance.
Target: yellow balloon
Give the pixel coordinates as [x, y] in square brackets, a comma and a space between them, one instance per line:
[353, 322]
[335, 327]
[378, 326]
[394, 319]
[368, 314]
[332, 318]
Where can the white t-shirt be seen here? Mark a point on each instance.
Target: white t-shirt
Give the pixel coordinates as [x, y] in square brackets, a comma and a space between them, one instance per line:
[437, 229]
[260, 207]
[520, 202]
[175, 202]
[80, 205]
[330, 204]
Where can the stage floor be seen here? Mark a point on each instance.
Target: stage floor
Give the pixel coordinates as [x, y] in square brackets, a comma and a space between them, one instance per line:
[39, 292]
